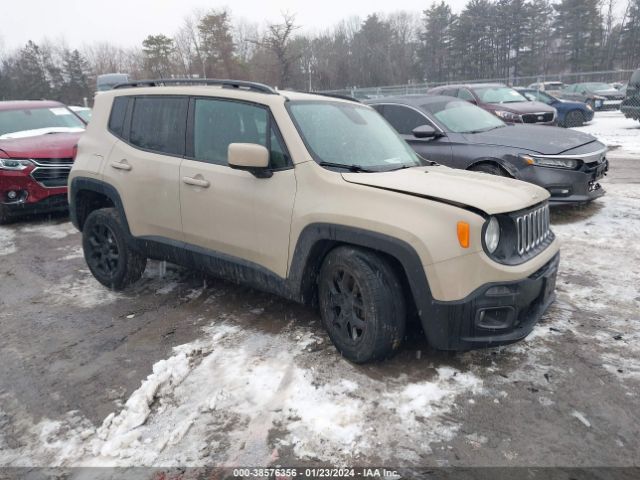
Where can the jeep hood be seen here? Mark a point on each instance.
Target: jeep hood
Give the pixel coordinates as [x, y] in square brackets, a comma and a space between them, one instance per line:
[478, 191]
[542, 139]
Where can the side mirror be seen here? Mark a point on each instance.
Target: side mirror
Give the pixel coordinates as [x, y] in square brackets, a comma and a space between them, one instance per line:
[251, 157]
[425, 131]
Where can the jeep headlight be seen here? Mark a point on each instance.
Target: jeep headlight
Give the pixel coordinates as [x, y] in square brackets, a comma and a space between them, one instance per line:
[492, 235]
[11, 164]
[508, 116]
[568, 163]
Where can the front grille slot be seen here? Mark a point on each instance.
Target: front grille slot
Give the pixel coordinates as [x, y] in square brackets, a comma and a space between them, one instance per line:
[535, 117]
[533, 228]
[51, 177]
[46, 162]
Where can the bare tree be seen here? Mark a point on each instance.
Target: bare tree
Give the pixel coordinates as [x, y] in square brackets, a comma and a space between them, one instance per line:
[277, 40]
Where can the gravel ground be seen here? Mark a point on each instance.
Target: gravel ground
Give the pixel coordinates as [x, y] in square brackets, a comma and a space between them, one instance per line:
[188, 370]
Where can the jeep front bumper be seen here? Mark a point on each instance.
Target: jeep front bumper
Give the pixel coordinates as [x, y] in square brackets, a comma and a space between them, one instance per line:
[494, 314]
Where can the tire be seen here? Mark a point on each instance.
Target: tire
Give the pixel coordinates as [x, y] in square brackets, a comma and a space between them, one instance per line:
[114, 263]
[491, 169]
[574, 118]
[362, 304]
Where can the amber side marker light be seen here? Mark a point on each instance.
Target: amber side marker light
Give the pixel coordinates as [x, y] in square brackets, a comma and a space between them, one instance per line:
[463, 234]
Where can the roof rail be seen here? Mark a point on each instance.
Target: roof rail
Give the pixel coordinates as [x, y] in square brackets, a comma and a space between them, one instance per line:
[239, 84]
[335, 95]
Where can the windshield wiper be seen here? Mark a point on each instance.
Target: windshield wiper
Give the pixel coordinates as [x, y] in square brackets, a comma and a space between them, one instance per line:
[482, 130]
[351, 168]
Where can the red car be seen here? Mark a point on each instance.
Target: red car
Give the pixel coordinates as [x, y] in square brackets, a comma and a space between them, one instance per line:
[37, 143]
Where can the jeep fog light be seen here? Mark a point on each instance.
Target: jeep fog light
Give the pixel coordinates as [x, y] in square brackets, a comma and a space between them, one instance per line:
[492, 235]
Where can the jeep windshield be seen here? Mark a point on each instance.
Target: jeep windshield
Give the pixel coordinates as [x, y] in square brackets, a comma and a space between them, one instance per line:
[462, 117]
[38, 121]
[350, 136]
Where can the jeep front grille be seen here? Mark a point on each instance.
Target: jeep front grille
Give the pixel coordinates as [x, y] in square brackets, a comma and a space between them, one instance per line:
[533, 229]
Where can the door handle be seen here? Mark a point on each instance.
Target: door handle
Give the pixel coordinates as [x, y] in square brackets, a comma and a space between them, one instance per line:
[121, 165]
[196, 182]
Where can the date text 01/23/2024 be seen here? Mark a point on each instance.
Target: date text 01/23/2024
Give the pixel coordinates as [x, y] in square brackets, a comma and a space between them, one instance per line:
[321, 472]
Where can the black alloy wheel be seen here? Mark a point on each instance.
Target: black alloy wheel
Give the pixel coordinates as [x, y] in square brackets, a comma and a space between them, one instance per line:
[348, 317]
[110, 253]
[362, 303]
[102, 255]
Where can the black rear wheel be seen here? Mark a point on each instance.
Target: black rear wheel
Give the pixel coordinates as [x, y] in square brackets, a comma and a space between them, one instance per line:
[114, 263]
[362, 304]
[574, 118]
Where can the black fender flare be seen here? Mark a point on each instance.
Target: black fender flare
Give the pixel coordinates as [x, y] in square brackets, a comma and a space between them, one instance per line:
[317, 239]
[508, 166]
[79, 184]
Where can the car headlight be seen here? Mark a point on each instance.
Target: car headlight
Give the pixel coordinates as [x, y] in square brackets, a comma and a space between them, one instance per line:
[11, 164]
[492, 235]
[589, 107]
[508, 116]
[568, 163]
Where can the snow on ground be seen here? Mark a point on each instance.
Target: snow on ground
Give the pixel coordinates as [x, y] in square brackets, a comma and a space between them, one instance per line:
[51, 230]
[620, 134]
[7, 241]
[218, 401]
[600, 259]
[81, 290]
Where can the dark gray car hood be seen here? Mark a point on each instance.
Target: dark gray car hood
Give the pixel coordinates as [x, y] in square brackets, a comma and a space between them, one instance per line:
[612, 92]
[534, 138]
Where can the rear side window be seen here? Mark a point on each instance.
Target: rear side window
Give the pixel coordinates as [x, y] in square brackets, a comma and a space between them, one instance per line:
[118, 114]
[159, 124]
[403, 119]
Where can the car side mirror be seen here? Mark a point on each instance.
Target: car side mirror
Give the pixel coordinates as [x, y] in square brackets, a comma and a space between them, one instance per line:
[251, 157]
[425, 131]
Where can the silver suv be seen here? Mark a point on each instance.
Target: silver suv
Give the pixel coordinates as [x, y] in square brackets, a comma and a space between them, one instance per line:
[316, 199]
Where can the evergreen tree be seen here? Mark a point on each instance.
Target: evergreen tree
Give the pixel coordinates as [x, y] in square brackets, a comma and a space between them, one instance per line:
[30, 73]
[157, 51]
[437, 39]
[579, 29]
[77, 86]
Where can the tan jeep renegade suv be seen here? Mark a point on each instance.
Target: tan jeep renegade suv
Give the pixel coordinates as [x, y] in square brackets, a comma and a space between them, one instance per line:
[316, 199]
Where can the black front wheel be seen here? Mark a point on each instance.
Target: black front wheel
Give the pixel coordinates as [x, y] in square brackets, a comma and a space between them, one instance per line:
[362, 304]
[575, 118]
[114, 263]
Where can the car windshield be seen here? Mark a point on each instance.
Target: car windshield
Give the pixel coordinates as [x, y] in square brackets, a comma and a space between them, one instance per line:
[499, 95]
[539, 96]
[36, 121]
[350, 135]
[462, 117]
[597, 86]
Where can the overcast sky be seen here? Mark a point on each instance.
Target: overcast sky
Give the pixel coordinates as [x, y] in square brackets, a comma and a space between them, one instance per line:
[128, 22]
